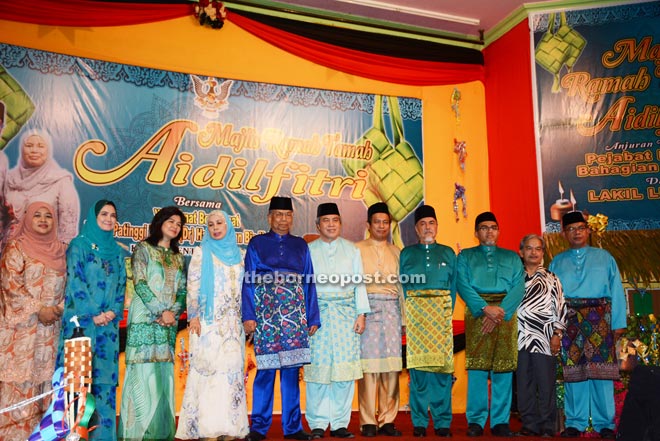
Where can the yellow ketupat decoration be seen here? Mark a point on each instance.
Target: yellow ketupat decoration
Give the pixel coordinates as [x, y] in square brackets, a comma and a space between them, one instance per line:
[396, 176]
[559, 49]
[18, 106]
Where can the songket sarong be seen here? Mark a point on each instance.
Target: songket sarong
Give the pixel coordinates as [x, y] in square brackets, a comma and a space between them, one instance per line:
[281, 339]
[497, 351]
[381, 341]
[335, 346]
[588, 351]
[429, 333]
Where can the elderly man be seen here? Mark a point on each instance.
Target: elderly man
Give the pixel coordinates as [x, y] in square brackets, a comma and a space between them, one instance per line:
[490, 280]
[278, 278]
[596, 318]
[429, 335]
[336, 346]
[381, 341]
[541, 323]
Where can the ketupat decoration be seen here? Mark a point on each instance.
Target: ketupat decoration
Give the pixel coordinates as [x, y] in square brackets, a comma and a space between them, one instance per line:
[559, 48]
[396, 176]
[18, 106]
[459, 193]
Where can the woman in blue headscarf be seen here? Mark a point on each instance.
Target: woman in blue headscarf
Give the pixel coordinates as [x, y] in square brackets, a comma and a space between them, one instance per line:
[214, 401]
[95, 287]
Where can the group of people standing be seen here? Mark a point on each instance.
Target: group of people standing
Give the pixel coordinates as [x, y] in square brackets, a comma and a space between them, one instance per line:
[282, 296]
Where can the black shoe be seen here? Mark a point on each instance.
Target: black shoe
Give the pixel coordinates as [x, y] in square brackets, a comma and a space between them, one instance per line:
[501, 430]
[254, 436]
[548, 433]
[524, 431]
[318, 433]
[570, 432]
[475, 429]
[300, 435]
[419, 432]
[443, 432]
[607, 434]
[389, 430]
[341, 433]
[369, 430]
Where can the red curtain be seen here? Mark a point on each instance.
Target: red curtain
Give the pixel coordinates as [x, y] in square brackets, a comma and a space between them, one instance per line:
[514, 183]
[89, 13]
[377, 67]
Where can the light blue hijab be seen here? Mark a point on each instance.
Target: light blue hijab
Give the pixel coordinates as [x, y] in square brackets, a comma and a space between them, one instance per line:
[226, 250]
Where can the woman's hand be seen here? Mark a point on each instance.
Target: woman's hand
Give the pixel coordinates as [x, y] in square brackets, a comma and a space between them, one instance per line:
[194, 326]
[555, 344]
[47, 315]
[167, 318]
[360, 324]
[101, 319]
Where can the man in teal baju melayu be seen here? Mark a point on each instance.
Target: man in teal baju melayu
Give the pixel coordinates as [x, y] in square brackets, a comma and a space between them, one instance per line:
[491, 282]
[343, 305]
[596, 318]
[429, 336]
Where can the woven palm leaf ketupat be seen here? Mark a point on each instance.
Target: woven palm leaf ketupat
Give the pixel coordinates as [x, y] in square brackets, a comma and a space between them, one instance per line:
[18, 106]
[575, 41]
[552, 52]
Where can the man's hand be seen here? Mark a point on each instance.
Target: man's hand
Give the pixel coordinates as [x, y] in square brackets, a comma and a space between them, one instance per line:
[360, 324]
[495, 313]
[312, 330]
[488, 325]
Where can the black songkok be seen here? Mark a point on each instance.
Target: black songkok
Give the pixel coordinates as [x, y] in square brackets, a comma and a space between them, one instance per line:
[484, 217]
[327, 209]
[378, 207]
[280, 203]
[424, 211]
[572, 217]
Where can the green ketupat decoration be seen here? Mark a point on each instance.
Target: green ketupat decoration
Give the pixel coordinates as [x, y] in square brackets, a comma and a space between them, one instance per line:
[573, 39]
[396, 176]
[18, 106]
[559, 49]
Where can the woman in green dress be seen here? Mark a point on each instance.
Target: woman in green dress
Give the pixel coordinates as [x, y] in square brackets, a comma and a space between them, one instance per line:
[147, 405]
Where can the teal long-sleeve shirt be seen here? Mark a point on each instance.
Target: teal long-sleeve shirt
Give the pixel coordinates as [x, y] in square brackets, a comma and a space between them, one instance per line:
[436, 262]
[490, 270]
[592, 273]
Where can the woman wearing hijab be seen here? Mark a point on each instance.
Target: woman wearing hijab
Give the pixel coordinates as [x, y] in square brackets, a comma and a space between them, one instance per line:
[147, 405]
[32, 276]
[37, 177]
[96, 283]
[214, 403]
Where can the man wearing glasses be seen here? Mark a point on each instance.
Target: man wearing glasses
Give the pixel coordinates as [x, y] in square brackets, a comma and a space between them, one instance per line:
[596, 318]
[491, 281]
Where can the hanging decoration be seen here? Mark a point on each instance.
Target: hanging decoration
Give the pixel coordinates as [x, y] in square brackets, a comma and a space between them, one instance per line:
[459, 193]
[460, 148]
[210, 13]
[455, 103]
[184, 356]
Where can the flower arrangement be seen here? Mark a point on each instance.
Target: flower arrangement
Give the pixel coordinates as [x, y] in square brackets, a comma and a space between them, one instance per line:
[211, 13]
[641, 340]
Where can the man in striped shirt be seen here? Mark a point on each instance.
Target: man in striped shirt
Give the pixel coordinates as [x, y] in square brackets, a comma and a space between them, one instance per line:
[541, 323]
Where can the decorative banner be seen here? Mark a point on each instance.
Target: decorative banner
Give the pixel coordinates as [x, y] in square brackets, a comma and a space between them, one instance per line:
[598, 97]
[147, 138]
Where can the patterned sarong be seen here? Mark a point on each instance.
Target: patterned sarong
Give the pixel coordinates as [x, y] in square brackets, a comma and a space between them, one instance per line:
[281, 339]
[381, 341]
[588, 344]
[497, 351]
[335, 346]
[429, 334]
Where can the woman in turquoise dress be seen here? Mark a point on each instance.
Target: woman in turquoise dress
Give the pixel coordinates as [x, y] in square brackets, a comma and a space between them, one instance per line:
[95, 287]
[147, 405]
